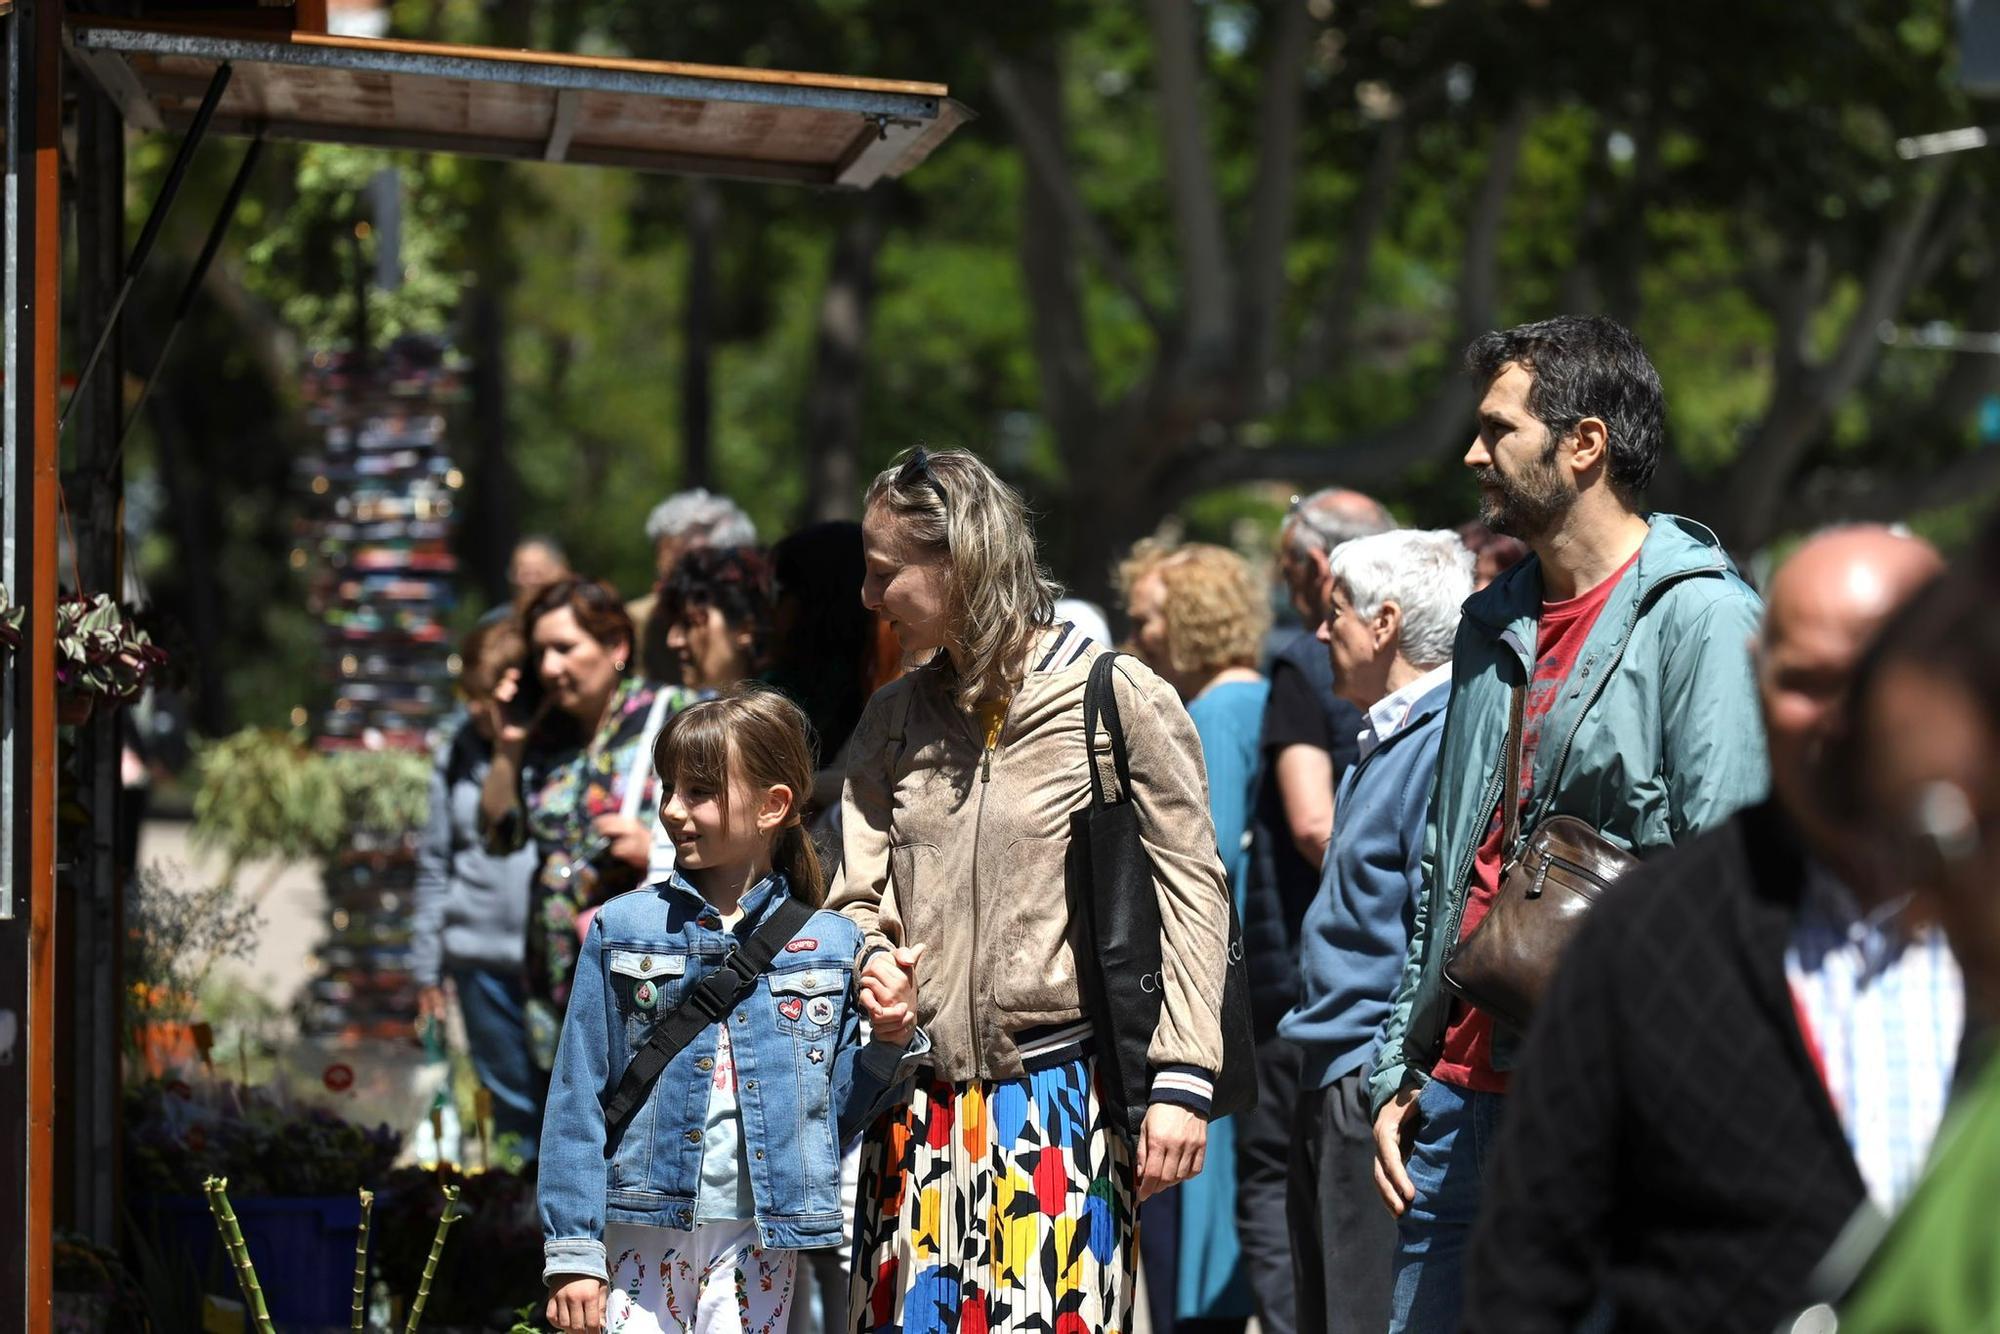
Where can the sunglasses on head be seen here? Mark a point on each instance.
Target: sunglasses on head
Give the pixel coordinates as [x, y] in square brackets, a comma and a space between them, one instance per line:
[917, 468]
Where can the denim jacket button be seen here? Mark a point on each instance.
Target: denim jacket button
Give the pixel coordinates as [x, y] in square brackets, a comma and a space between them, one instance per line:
[693, 1137]
[705, 1064]
[751, 1085]
[687, 1218]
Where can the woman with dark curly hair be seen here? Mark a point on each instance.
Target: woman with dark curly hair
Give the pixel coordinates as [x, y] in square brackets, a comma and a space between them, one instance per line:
[713, 616]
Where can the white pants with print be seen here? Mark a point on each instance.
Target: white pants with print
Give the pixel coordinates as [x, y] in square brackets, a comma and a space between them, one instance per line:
[713, 1280]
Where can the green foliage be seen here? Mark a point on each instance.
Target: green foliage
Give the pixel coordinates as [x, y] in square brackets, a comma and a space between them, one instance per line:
[176, 1137]
[385, 791]
[102, 651]
[265, 794]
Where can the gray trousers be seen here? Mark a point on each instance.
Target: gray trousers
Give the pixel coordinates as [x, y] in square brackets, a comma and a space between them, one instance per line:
[1263, 1174]
[1343, 1239]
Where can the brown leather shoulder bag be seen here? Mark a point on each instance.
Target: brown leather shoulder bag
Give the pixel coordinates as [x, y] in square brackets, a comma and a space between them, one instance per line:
[1505, 965]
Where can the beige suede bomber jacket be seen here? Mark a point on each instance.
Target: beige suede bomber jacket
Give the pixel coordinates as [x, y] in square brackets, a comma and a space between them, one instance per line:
[964, 853]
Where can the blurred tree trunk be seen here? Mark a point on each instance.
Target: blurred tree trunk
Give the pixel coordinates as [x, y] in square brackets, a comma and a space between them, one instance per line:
[835, 397]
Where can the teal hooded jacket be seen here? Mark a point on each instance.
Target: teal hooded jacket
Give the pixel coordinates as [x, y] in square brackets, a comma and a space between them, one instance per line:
[1656, 736]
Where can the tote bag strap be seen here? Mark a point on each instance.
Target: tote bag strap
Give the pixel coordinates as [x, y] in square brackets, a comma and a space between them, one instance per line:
[1104, 735]
[642, 758]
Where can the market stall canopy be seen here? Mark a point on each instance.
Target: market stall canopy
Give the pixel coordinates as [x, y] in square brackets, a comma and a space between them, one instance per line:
[705, 120]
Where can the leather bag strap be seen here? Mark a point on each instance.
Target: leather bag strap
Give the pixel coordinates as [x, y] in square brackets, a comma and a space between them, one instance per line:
[1510, 797]
[719, 992]
[1101, 720]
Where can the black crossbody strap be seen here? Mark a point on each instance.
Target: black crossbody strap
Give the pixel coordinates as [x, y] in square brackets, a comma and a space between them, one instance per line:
[712, 999]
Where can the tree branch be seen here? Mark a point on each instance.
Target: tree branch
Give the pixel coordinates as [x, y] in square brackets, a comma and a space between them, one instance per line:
[1197, 205]
[1036, 120]
[1479, 277]
[1279, 111]
[1806, 396]
[1325, 342]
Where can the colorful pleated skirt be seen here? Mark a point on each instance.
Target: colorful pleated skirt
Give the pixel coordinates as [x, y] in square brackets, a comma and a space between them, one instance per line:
[998, 1205]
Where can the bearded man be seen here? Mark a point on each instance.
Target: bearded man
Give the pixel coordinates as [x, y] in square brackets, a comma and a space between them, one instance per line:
[1629, 637]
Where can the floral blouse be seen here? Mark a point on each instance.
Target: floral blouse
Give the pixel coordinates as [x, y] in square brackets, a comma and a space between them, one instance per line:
[564, 793]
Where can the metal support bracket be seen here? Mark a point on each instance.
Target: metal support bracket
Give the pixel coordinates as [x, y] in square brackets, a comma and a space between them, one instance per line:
[169, 189]
[190, 290]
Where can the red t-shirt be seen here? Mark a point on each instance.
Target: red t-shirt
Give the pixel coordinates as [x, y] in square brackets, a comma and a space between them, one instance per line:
[1467, 1059]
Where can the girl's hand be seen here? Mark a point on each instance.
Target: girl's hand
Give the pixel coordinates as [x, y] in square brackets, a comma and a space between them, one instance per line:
[889, 993]
[577, 1307]
[631, 842]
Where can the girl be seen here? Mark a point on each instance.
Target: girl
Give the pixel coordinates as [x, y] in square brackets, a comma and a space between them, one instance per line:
[690, 1211]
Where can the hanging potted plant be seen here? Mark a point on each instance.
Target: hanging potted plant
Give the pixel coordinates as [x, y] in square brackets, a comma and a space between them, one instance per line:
[101, 653]
[10, 621]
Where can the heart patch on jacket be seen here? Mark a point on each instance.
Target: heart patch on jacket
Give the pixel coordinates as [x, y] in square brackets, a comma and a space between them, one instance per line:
[792, 1007]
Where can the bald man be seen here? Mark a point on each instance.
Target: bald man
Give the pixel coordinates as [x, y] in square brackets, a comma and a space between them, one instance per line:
[1749, 1040]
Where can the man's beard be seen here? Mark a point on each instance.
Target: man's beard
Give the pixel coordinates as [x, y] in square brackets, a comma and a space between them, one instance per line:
[1528, 506]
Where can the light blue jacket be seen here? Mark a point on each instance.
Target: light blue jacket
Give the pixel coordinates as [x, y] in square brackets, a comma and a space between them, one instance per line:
[1352, 943]
[805, 1081]
[1655, 737]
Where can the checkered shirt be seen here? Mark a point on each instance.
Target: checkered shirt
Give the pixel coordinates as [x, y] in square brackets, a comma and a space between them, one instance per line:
[1885, 1006]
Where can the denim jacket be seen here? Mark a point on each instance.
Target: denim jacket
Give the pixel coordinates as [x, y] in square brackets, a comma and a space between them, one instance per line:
[800, 1064]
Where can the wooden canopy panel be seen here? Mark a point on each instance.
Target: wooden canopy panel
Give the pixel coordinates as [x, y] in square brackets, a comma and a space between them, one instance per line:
[814, 129]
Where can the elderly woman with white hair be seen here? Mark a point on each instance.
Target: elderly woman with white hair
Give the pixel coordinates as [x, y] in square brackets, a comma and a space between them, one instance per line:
[679, 524]
[1392, 612]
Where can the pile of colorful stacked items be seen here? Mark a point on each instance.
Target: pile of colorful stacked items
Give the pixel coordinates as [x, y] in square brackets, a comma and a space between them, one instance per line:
[379, 549]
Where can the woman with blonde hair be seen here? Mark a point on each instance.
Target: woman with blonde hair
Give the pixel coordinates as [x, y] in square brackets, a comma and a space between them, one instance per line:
[1005, 1195]
[1199, 616]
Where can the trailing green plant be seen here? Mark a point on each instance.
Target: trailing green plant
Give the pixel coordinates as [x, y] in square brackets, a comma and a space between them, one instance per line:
[383, 790]
[10, 621]
[264, 794]
[101, 650]
[175, 937]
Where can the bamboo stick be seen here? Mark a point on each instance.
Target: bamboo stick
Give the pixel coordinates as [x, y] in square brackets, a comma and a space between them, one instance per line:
[217, 1191]
[430, 1263]
[361, 1263]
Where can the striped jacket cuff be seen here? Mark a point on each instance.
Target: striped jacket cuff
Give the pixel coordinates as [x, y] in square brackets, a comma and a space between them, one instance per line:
[1187, 1086]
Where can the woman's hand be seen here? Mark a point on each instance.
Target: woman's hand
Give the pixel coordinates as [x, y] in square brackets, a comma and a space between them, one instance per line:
[577, 1307]
[1173, 1145]
[889, 993]
[511, 730]
[631, 842]
[430, 1007]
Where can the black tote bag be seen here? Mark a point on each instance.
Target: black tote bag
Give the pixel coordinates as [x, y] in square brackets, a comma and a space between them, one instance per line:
[1116, 910]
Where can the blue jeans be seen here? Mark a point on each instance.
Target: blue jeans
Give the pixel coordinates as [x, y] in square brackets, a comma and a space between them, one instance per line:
[491, 1001]
[1455, 1133]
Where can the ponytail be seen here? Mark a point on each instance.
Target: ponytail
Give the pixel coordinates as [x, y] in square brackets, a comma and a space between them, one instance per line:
[798, 860]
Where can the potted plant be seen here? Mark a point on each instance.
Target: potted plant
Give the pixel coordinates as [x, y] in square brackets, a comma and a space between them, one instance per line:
[173, 939]
[101, 653]
[10, 621]
[293, 1171]
[494, 1267]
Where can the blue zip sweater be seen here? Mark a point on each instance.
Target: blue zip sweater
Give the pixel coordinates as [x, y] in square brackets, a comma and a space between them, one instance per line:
[1358, 928]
